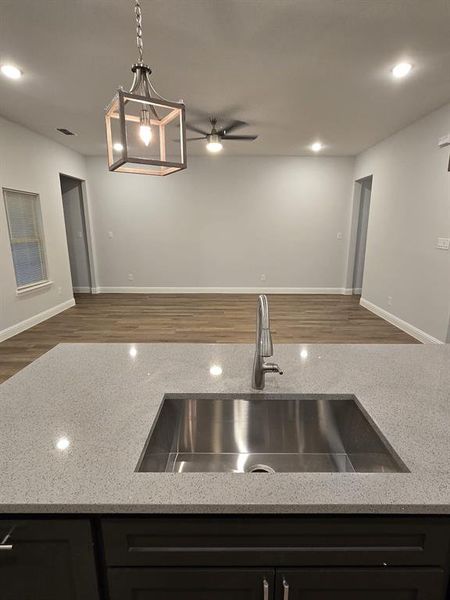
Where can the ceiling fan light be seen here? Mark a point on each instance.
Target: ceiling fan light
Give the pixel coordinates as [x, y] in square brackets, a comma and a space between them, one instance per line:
[214, 147]
[214, 143]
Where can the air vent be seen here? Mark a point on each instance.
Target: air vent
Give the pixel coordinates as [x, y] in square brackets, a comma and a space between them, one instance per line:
[65, 131]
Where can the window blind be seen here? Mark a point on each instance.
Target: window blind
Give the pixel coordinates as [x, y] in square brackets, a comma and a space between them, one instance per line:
[23, 212]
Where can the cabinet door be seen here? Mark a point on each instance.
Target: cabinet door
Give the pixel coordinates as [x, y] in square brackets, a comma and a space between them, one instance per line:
[46, 560]
[360, 584]
[190, 584]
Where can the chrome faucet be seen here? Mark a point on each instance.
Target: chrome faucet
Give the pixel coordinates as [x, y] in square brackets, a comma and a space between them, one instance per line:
[264, 346]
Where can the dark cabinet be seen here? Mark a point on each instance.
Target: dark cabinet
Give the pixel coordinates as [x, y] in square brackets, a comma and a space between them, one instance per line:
[290, 584]
[276, 557]
[253, 541]
[47, 560]
[190, 584]
[360, 584]
[222, 557]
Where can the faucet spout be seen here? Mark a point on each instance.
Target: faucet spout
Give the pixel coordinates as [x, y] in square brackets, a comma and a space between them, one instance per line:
[264, 345]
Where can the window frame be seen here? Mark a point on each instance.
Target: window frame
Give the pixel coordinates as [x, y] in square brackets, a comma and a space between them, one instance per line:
[42, 283]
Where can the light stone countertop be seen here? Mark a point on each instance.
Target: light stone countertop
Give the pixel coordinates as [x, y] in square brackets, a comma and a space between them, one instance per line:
[104, 401]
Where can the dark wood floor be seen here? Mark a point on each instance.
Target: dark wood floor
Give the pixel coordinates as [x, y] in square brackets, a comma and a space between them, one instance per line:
[198, 318]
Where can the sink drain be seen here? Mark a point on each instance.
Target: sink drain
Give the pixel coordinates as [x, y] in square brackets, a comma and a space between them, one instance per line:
[260, 469]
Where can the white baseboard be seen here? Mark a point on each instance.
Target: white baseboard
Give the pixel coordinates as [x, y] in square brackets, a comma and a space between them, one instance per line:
[413, 331]
[82, 290]
[219, 290]
[32, 321]
[356, 290]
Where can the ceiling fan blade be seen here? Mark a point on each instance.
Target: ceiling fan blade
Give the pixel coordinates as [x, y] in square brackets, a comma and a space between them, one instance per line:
[248, 138]
[196, 129]
[193, 139]
[232, 126]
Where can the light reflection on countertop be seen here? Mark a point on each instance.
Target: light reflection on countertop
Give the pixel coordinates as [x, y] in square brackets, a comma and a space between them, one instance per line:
[215, 370]
[96, 404]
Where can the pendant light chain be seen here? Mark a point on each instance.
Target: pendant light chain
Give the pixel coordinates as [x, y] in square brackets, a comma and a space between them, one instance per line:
[140, 43]
[140, 46]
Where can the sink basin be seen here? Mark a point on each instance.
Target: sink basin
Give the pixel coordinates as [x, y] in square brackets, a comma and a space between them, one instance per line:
[266, 433]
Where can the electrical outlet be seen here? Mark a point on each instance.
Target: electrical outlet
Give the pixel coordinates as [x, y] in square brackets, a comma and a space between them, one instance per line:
[110, 235]
[339, 235]
[389, 300]
[59, 291]
[263, 277]
[443, 243]
[130, 276]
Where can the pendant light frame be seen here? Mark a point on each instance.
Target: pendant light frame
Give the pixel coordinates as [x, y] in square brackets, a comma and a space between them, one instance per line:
[127, 163]
[122, 123]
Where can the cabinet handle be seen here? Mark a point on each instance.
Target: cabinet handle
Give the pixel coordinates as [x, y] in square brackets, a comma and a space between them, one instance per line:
[4, 547]
[285, 589]
[266, 589]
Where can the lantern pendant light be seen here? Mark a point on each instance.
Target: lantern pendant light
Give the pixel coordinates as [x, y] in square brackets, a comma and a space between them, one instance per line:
[145, 133]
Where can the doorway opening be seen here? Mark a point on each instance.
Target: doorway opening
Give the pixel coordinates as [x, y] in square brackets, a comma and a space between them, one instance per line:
[77, 241]
[365, 191]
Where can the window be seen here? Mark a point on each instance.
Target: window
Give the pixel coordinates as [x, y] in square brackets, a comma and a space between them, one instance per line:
[23, 211]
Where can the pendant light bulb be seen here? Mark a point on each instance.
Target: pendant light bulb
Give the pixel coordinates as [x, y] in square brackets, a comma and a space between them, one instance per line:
[145, 130]
[145, 133]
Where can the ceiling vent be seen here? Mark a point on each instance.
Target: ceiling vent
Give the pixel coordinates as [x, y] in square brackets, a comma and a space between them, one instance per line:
[65, 131]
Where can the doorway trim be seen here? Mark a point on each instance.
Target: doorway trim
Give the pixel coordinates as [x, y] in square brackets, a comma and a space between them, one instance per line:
[87, 227]
[353, 238]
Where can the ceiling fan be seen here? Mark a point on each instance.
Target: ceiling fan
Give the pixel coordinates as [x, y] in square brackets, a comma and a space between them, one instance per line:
[215, 136]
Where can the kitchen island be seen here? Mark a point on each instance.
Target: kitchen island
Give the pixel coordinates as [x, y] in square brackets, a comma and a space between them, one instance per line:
[75, 423]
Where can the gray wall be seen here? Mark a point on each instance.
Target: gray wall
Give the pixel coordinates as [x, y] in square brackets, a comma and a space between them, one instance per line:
[223, 223]
[32, 163]
[410, 209]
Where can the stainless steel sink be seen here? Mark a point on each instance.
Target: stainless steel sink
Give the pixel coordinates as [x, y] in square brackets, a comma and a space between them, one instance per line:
[266, 433]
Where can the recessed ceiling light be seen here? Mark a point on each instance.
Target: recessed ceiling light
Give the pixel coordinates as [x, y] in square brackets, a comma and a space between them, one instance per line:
[401, 70]
[118, 147]
[62, 443]
[11, 71]
[316, 147]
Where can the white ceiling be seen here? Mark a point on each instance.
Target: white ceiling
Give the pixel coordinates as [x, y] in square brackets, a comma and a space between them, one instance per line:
[295, 70]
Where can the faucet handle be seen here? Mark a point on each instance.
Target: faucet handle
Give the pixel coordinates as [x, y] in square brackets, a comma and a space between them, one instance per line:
[272, 368]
